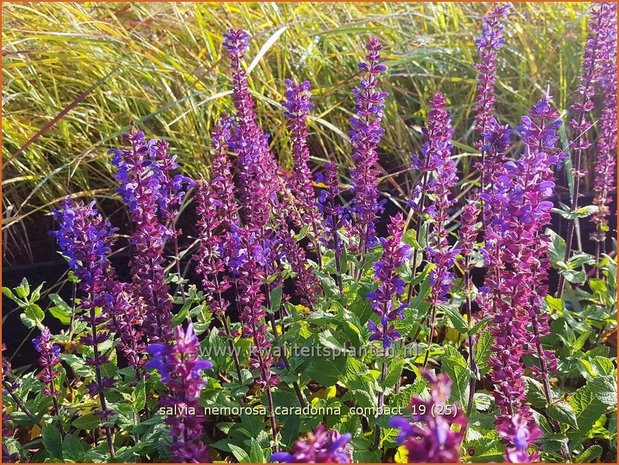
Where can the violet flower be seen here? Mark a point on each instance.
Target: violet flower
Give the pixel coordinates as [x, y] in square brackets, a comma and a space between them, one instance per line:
[437, 150]
[429, 434]
[333, 213]
[602, 24]
[49, 359]
[141, 188]
[85, 238]
[126, 321]
[386, 299]
[257, 172]
[515, 286]
[181, 369]
[365, 134]
[488, 47]
[322, 446]
[605, 161]
[297, 107]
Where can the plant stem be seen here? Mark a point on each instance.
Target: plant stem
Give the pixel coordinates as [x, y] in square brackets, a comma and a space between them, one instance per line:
[381, 400]
[99, 378]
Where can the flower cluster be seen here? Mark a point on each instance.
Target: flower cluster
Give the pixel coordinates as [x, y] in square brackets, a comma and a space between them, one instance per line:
[429, 435]
[258, 179]
[365, 134]
[436, 159]
[385, 300]
[246, 259]
[49, 359]
[216, 210]
[519, 209]
[322, 446]
[605, 161]
[488, 46]
[142, 172]
[181, 369]
[85, 238]
[297, 106]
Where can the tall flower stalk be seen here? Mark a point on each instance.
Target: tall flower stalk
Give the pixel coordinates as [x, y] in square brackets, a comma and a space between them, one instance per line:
[246, 260]
[85, 238]
[596, 52]
[298, 105]
[467, 238]
[437, 155]
[49, 359]
[141, 189]
[181, 369]
[488, 46]
[334, 215]
[365, 135]
[515, 287]
[217, 212]
[606, 156]
[386, 299]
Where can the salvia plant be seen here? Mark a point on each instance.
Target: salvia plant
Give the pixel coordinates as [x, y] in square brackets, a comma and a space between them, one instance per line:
[270, 313]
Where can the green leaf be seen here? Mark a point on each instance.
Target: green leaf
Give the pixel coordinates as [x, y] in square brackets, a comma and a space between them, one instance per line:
[256, 454]
[139, 395]
[456, 319]
[587, 407]
[61, 310]
[394, 371]
[455, 366]
[535, 393]
[590, 454]
[52, 442]
[87, 422]
[276, 299]
[23, 290]
[72, 448]
[563, 413]
[605, 389]
[239, 454]
[32, 316]
[483, 350]
[557, 247]
[478, 326]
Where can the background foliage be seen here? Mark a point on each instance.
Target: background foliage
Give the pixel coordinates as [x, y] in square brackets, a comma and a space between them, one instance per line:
[75, 76]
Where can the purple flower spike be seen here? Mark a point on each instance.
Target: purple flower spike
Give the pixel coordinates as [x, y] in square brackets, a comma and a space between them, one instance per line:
[49, 359]
[385, 300]
[365, 136]
[257, 172]
[429, 436]
[606, 159]
[436, 156]
[181, 370]
[297, 107]
[322, 446]
[488, 46]
[518, 210]
[153, 200]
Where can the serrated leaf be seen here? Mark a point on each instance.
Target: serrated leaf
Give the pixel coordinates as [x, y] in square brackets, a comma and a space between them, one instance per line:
[587, 408]
[535, 393]
[605, 389]
[72, 448]
[590, 455]
[563, 413]
[483, 350]
[52, 442]
[276, 299]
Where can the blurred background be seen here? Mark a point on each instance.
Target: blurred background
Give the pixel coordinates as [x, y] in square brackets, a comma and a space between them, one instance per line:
[75, 76]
